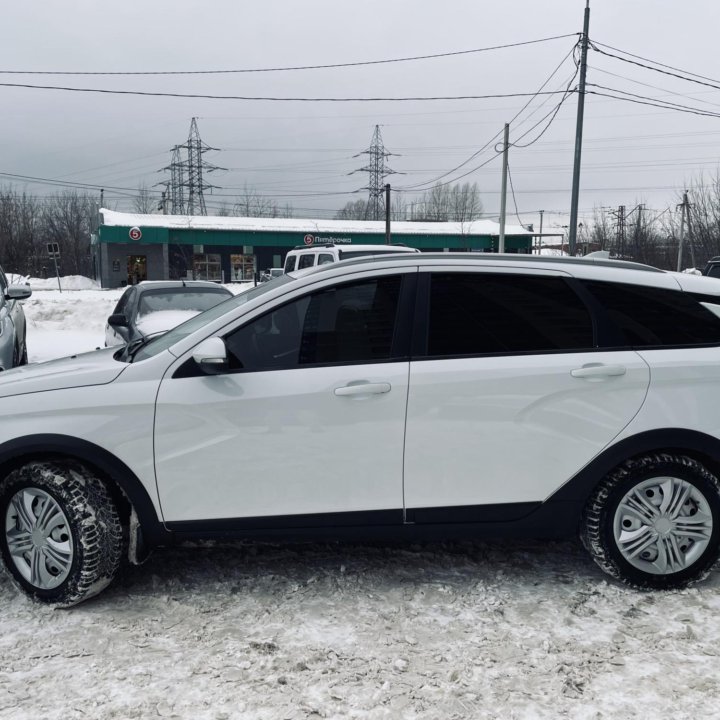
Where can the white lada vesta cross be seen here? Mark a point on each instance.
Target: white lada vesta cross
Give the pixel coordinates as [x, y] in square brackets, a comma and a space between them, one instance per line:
[405, 396]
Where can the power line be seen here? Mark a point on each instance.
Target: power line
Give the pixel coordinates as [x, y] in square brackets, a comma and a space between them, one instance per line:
[197, 96]
[512, 190]
[654, 62]
[652, 102]
[413, 58]
[714, 84]
[497, 134]
[654, 87]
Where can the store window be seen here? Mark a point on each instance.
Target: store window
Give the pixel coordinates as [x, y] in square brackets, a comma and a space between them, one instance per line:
[207, 267]
[242, 267]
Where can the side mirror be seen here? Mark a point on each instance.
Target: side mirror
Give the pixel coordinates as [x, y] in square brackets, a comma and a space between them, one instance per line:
[18, 292]
[211, 356]
[117, 320]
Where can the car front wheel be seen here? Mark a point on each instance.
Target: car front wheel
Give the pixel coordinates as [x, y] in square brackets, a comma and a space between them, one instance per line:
[61, 537]
[654, 522]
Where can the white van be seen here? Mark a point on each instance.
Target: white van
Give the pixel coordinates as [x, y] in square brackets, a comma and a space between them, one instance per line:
[304, 257]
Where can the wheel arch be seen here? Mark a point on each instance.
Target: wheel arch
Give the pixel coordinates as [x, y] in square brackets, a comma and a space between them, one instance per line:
[122, 482]
[698, 445]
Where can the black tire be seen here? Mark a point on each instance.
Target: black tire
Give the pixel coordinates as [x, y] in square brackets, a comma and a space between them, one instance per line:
[87, 521]
[606, 514]
[24, 356]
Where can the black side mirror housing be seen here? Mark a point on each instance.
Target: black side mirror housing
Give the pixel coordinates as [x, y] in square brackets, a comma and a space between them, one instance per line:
[117, 320]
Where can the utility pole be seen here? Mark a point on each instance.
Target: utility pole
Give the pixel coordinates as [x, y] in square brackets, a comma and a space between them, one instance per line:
[572, 234]
[685, 208]
[620, 232]
[542, 212]
[503, 191]
[387, 214]
[689, 232]
[638, 230]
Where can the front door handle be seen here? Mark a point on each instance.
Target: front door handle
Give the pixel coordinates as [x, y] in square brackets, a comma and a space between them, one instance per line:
[363, 389]
[598, 370]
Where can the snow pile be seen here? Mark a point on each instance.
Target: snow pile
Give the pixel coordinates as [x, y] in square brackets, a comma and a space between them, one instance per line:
[68, 282]
[61, 324]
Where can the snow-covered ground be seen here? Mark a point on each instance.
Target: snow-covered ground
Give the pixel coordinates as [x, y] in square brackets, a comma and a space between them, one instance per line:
[432, 631]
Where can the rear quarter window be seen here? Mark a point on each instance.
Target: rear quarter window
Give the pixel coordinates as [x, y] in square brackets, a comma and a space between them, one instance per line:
[658, 317]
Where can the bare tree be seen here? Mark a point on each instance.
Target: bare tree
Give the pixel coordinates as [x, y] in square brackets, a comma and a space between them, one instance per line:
[353, 210]
[67, 219]
[251, 204]
[19, 230]
[446, 203]
[145, 202]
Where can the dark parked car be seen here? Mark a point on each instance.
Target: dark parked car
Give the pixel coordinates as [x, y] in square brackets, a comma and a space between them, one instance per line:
[712, 269]
[156, 306]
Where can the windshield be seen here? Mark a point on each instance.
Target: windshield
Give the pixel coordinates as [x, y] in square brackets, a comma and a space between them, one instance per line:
[163, 342]
[193, 299]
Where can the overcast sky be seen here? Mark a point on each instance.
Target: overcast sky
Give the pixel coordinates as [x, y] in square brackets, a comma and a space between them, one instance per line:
[632, 153]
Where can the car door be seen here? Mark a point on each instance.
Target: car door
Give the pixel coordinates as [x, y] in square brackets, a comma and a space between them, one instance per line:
[308, 419]
[509, 394]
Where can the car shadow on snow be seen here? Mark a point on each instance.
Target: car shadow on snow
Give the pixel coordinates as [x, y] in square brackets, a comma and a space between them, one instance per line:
[235, 567]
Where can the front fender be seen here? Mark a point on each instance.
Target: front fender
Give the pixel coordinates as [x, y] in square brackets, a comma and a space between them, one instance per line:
[19, 450]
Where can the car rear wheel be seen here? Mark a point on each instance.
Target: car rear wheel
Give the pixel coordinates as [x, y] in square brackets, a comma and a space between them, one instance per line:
[654, 522]
[61, 536]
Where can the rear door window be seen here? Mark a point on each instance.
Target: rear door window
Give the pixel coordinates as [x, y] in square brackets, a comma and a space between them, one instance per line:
[306, 261]
[486, 313]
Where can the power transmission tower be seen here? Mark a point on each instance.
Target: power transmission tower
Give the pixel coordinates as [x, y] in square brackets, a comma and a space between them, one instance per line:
[175, 186]
[195, 168]
[186, 173]
[378, 171]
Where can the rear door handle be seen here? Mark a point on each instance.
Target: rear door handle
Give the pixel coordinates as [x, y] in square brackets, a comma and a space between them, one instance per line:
[363, 389]
[598, 370]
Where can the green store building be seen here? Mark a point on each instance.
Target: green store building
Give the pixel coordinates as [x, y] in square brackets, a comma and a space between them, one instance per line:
[129, 247]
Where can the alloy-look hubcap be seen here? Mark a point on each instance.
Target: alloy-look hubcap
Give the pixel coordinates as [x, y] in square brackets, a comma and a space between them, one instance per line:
[663, 525]
[38, 537]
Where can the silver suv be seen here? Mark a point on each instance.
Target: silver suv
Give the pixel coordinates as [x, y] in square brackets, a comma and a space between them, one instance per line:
[13, 328]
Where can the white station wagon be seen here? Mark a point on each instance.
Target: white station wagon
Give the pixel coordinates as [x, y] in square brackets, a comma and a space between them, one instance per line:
[407, 396]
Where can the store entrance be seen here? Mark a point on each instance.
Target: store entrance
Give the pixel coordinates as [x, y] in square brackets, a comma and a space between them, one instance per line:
[136, 269]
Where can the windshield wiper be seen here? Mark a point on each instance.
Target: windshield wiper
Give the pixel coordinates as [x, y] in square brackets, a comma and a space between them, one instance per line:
[129, 351]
